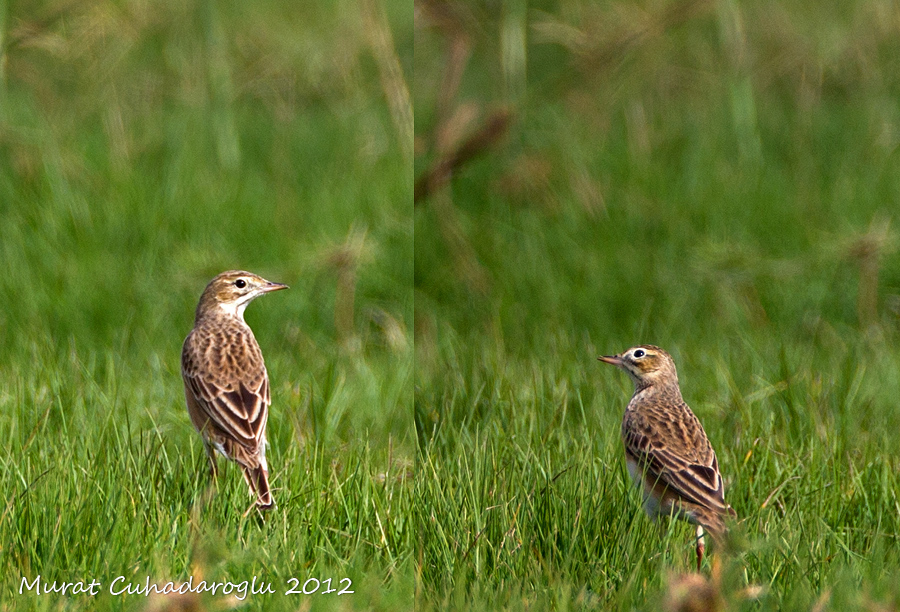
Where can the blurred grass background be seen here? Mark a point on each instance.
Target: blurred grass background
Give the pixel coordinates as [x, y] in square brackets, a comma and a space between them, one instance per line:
[715, 177]
[146, 146]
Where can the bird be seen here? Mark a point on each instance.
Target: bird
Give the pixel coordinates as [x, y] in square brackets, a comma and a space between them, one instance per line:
[226, 385]
[667, 452]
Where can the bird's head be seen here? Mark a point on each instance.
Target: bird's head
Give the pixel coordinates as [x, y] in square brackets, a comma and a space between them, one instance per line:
[231, 292]
[646, 364]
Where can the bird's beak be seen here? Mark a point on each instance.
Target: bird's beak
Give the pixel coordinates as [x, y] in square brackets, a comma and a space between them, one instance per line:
[611, 359]
[272, 287]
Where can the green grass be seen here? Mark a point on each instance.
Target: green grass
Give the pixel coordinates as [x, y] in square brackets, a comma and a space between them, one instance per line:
[146, 147]
[716, 178]
[530, 500]
[671, 176]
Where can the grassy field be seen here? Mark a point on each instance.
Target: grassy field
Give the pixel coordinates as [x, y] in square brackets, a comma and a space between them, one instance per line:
[144, 148]
[719, 179]
[713, 177]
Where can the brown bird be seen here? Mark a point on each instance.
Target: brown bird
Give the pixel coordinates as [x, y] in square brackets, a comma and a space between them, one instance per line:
[225, 379]
[666, 450]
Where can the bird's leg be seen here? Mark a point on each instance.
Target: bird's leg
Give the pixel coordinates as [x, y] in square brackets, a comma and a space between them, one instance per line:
[701, 546]
[211, 455]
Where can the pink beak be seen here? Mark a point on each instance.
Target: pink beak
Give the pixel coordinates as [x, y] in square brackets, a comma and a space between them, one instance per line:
[612, 360]
[273, 287]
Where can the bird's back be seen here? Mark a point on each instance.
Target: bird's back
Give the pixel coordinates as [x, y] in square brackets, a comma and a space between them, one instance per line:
[226, 382]
[223, 353]
[664, 438]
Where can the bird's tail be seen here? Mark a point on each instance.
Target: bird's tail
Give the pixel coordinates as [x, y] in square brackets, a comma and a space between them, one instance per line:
[258, 479]
[713, 522]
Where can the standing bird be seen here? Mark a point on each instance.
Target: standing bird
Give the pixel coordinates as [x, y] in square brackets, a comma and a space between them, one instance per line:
[225, 379]
[666, 450]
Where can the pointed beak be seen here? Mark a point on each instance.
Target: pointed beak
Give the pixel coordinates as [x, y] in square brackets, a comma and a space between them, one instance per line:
[272, 287]
[612, 360]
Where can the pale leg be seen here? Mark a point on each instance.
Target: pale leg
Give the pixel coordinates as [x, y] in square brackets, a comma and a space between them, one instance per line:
[701, 546]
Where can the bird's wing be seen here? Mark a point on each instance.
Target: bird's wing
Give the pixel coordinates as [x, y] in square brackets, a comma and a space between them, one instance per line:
[686, 465]
[239, 407]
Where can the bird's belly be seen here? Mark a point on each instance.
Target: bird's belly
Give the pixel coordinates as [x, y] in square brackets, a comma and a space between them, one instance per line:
[651, 502]
[634, 471]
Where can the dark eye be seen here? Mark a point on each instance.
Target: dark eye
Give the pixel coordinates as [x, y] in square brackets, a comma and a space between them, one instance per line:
[240, 283]
[639, 353]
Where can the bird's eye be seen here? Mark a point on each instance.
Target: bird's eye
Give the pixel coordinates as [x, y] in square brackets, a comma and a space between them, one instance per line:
[240, 283]
[638, 353]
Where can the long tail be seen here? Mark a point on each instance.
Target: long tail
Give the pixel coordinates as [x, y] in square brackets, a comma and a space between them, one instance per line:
[713, 522]
[258, 479]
